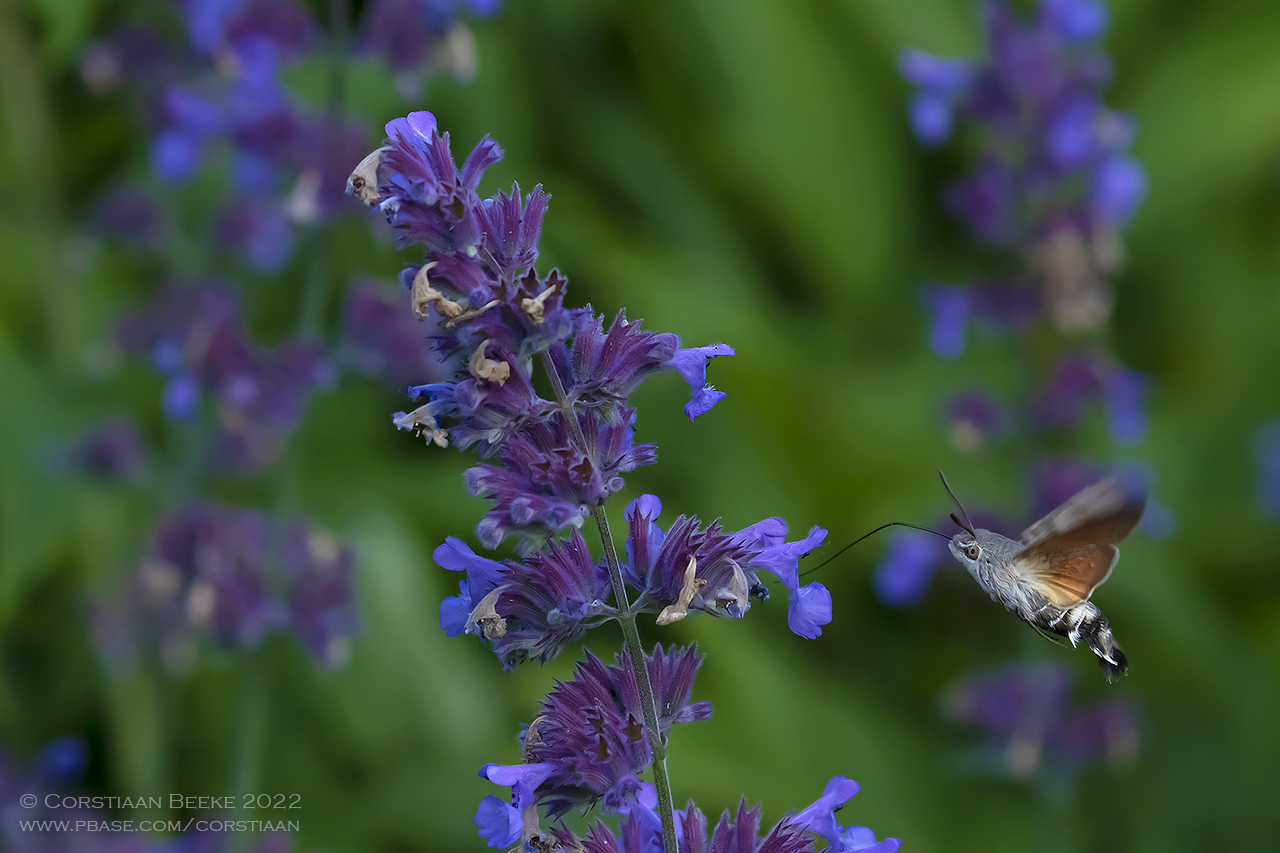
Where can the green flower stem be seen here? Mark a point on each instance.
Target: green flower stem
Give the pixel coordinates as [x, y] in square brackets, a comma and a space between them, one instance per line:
[630, 633]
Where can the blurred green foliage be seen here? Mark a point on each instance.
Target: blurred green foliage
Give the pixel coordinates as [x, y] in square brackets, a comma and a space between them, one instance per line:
[737, 172]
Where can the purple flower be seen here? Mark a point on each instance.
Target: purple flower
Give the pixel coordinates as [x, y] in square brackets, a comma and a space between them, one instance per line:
[902, 577]
[820, 819]
[1083, 377]
[208, 575]
[1119, 185]
[975, 418]
[196, 337]
[545, 472]
[587, 745]
[995, 307]
[739, 832]
[941, 82]
[691, 568]
[128, 215]
[383, 339]
[320, 596]
[111, 450]
[1025, 712]
[257, 231]
[413, 35]
[213, 25]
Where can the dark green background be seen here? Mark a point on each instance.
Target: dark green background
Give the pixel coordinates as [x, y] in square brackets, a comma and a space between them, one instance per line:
[730, 171]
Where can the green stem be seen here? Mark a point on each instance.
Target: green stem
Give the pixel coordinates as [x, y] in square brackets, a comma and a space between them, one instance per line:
[630, 633]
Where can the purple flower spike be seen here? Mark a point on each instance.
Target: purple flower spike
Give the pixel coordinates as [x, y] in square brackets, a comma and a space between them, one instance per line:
[591, 732]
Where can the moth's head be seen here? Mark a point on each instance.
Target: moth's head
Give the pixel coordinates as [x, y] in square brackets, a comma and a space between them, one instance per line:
[966, 548]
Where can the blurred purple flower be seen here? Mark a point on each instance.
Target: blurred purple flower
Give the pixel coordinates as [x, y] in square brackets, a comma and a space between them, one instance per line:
[1083, 377]
[903, 575]
[128, 215]
[207, 575]
[1266, 449]
[993, 306]
[415, 36]
[975, 418]
[111, 450]
[1025, 712]
[320, 595]
[382, 338]
[196, 337]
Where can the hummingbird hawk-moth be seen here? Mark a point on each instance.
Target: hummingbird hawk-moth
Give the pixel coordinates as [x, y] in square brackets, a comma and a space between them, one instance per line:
[1047, 576]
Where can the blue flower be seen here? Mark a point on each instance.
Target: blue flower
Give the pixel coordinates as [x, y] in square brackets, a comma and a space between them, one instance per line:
[692, 568]
[1025, 712]
[502, 823]
[1266, 449]
[942, 83]
[111, 450]
[820, 819]
[902, 577]
[587, 745]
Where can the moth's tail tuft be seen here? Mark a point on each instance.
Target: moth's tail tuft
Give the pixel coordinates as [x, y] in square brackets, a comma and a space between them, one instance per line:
[1096, 633]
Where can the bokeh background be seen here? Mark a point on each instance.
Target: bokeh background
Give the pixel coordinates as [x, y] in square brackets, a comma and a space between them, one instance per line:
[739, 172]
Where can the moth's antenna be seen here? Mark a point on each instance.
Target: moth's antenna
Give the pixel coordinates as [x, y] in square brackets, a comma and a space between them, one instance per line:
[860, 538]
[967, 525]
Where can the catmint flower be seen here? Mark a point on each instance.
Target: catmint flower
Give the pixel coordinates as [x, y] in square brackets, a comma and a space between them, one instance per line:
[382, 339]
[208, 575]
[112, 450]
[319, 593]
[413, 35]
[195, 336]
[975, 418]
[1026, 713]
[994, 307]
[544, 472]
[903, 575]
[1054, 180]
[689, 567]
[739, 831]
[587, 745]
[913, 557]
[1083, 377]
[1266, 449]
[128, 215]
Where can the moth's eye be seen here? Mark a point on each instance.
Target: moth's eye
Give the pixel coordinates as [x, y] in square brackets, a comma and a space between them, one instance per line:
[972, 551]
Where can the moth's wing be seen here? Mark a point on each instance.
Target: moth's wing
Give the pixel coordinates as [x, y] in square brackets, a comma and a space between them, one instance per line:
[1101, 514]
[1071, 551]
[1071, 576]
